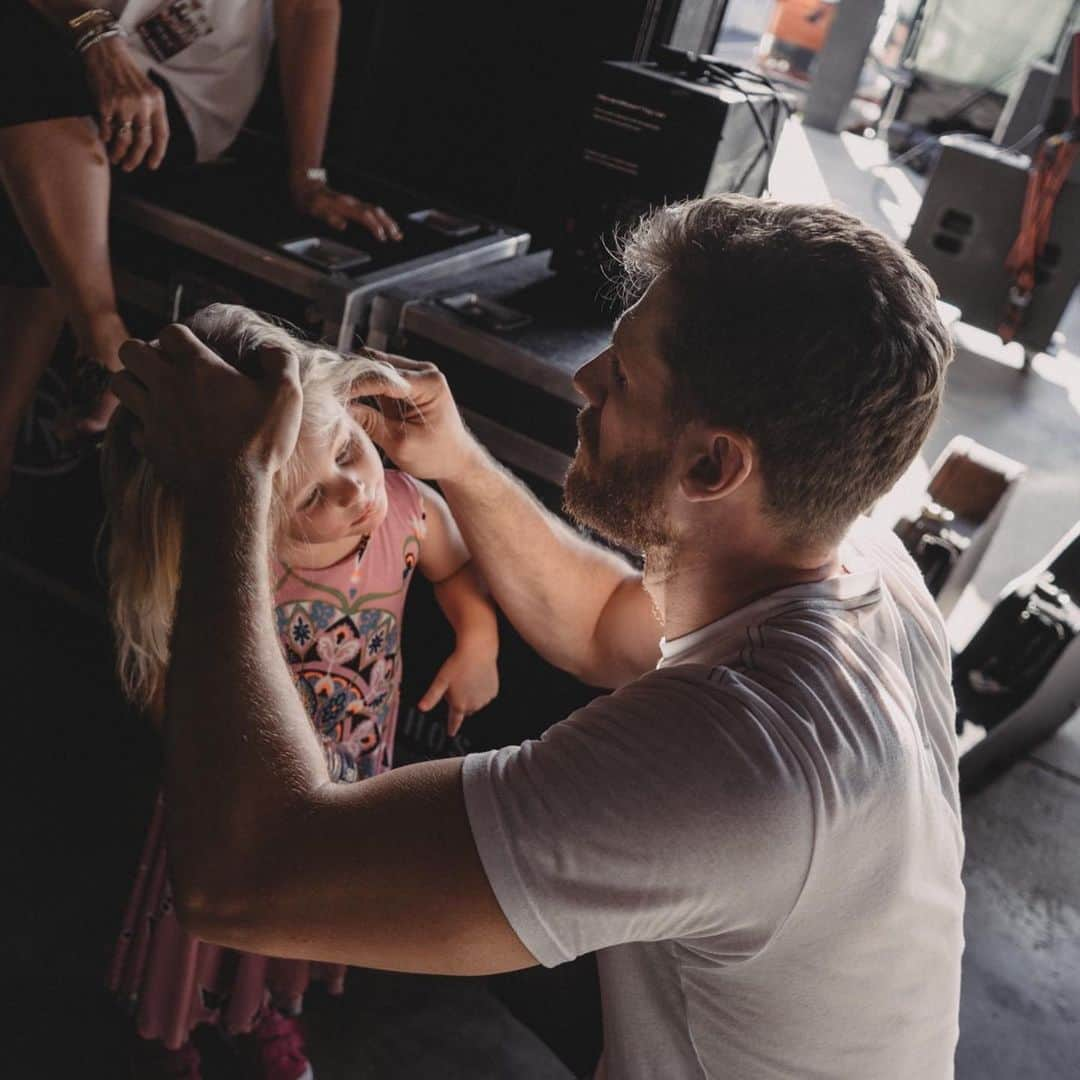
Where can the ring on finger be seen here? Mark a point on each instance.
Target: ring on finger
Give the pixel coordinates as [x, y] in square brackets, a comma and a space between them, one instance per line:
[126, 128]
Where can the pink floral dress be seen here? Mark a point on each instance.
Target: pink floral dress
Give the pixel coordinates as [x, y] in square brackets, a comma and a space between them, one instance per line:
[340, 629]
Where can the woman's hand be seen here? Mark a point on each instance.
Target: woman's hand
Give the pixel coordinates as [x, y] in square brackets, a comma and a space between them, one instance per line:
[469, 680]
[131, 108]
[337, 209]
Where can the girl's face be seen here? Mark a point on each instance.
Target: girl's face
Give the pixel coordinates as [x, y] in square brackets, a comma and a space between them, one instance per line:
[343, 493]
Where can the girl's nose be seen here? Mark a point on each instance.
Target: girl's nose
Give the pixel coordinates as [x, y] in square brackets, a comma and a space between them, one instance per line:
[351, 490]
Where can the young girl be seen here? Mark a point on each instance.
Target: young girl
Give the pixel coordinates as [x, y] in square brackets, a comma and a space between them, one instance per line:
[348, 539]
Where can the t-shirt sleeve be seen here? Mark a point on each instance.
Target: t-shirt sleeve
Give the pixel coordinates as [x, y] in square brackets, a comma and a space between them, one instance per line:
[673, 808]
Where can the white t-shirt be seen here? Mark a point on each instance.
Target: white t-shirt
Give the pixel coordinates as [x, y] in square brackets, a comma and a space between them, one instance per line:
[761, 839]
[212, 53]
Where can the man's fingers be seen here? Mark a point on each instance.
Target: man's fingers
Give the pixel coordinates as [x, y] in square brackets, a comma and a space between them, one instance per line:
[277, 363]
[402, 363]
[131, 393]
[143, 361]
[372, 421]
[380, 379]
[181, 346]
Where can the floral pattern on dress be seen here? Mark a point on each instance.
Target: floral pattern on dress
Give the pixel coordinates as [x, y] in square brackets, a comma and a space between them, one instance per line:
[348, 674]
[340, 633]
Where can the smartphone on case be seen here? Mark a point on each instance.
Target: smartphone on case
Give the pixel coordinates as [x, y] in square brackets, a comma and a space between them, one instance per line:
[449, 225]
[325, 253]
[484, 312]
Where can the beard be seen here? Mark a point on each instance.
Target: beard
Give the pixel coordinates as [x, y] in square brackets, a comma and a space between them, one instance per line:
[622, 500]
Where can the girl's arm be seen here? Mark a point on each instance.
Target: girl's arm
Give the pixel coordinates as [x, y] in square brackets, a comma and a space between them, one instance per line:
[469, 679]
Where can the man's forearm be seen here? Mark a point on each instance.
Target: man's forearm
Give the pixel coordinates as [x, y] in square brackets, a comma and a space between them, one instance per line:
[233, 719]
[553, 584]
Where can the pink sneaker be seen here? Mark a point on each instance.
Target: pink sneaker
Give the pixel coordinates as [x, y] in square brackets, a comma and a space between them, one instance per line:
[277, 1049]
[154, 1062]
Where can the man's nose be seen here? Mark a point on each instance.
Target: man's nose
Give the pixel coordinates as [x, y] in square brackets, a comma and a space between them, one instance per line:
[588, 381]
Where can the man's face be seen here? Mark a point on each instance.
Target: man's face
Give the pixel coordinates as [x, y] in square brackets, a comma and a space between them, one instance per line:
[619, 480]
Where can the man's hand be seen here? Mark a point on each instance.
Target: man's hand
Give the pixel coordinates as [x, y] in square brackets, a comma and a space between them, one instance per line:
[419, 426]
[469, 680]
[202, 418]
[338, 209]
[131, 109]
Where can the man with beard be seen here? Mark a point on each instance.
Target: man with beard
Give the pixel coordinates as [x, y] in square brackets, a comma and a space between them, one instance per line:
[759, 830]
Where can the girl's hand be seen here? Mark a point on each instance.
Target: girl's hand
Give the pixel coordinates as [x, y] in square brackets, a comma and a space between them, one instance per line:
[468, 680]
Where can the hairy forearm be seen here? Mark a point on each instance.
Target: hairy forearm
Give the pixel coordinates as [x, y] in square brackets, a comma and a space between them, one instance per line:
[552, 583]
[240, 750]
[307, 49]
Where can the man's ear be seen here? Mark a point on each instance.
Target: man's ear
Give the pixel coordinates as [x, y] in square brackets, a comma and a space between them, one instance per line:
[719, 464]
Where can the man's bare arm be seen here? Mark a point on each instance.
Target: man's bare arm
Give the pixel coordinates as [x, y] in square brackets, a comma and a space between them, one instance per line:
[580, 606]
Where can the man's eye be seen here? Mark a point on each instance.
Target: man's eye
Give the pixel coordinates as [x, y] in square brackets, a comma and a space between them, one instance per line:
[617, 372]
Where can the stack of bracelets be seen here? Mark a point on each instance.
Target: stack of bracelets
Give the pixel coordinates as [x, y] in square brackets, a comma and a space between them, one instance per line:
[93, 26]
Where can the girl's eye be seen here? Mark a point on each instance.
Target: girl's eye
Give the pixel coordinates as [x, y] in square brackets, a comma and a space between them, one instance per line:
[346, 454]
[312, 499]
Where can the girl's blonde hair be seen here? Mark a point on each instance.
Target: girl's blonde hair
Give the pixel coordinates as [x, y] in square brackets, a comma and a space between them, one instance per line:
[143, 516]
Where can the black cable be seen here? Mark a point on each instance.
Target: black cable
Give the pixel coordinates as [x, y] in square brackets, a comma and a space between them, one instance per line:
[732, 77]
[726, 80]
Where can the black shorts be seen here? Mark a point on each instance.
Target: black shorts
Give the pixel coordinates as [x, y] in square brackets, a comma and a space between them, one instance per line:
[42, 78]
